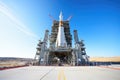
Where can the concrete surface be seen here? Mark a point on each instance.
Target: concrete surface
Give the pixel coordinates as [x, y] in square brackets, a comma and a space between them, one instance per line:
[60, 73]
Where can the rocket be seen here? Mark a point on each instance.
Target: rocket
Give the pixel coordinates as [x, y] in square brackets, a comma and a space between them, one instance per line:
[61, 40]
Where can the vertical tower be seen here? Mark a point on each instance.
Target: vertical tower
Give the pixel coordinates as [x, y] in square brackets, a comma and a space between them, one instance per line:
[61, 40]
[60, 50]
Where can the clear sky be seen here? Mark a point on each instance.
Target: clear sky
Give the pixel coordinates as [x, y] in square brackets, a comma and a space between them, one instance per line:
[23, 23]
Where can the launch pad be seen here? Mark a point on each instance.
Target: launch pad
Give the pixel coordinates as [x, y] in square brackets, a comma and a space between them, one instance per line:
[60, 51]
[59, 58]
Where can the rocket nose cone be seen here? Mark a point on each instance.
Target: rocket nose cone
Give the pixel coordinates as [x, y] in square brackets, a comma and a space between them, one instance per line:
[61, 13]
[61, 16]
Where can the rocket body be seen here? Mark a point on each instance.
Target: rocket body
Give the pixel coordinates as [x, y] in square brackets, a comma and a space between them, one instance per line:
[61, 40]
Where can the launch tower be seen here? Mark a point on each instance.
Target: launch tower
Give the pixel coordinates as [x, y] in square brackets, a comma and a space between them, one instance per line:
[60, 50]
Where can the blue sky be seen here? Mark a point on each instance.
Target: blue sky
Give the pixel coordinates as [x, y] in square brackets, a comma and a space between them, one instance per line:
[23, 23]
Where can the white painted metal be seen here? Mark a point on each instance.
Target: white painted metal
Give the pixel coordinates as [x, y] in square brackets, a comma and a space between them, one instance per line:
[61, 41]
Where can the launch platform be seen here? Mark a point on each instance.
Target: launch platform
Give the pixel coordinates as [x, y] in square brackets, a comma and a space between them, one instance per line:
[56, 49]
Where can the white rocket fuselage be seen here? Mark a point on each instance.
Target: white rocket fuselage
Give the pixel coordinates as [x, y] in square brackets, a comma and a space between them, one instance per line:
[61, 41]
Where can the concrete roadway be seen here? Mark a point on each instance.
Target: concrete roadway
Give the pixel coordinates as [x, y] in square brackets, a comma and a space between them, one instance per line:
[60, 73]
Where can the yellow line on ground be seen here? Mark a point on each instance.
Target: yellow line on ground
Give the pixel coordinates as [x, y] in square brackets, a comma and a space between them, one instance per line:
[61, 75]
[64, 76]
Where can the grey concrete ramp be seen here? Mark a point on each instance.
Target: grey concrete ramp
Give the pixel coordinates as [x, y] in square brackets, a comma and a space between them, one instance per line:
[60, 73]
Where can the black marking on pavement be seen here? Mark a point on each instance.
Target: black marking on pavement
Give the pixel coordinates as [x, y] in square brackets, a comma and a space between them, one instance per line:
[46, 73]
